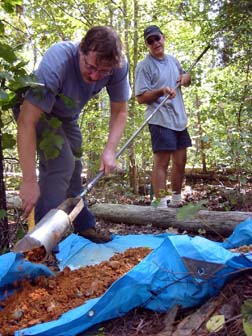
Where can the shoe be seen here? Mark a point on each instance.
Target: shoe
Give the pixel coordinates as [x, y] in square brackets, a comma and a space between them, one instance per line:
[163, 203]
[95, 236]
[175, 201]
[174, 204]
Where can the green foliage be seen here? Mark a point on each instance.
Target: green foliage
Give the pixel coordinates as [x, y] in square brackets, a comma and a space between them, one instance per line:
[215, 323]
[70, 103]
[2, 214]
[53, 123]
[246, 310]
[1, 28]
[155, 203]
[10, 5]
[189, 211]
[23, 83]
[51, 143]
[100, 332]
[6, 53]
[8, 141]
[3, 96]
[20, 234]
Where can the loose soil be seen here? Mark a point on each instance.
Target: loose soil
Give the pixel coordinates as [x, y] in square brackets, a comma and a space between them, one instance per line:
[47, 298]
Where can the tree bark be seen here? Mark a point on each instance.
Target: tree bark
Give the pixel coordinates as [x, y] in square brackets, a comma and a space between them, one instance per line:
[220, 222]
[4, 228]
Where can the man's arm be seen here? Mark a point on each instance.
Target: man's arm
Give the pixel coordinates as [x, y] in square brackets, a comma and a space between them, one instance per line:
[117, 124]
[148, 97]
[27, 144]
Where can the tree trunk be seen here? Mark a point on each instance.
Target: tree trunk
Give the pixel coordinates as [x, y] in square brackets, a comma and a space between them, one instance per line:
[4, 237]
[220, 222]
[133, 168]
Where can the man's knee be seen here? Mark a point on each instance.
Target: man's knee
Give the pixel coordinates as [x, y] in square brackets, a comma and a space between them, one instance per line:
[161, 160]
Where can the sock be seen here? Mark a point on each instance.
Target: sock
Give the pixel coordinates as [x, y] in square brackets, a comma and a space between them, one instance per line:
[176, 199]
[163, 202]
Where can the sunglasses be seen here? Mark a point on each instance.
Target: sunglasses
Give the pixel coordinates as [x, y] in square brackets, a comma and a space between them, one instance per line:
[151, 40]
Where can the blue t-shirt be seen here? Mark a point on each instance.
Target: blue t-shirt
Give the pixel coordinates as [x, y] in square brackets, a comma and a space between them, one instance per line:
[66, 92]
[151, 74]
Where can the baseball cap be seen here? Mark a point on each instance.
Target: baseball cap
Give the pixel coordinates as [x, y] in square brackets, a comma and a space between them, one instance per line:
[151, 30]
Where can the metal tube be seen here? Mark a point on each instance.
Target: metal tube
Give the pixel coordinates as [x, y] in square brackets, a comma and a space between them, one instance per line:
[47, 232]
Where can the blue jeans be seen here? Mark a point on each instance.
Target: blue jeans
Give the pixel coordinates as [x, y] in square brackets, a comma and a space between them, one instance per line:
[60, 178]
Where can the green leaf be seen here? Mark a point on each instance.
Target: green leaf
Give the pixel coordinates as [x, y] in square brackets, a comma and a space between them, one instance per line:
[7, 53]
[24, 82]
[243, 180]
[3, 95]
[8, 141]
[5, 75]
[215, 323]
[59, 140]
[2, 213]
[1, 28]
[54, 123]
[51, 144]
[155, 203]
[10, 5]
[246, 310]
[19, 66]
[20, 234]
[69, 102]
[189, 211]
[8, 102]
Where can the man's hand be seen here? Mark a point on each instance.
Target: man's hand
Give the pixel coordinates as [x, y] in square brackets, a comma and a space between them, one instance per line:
[29, 194]
[167, 91]
[108, 161]
[184, 80]
[149, 96]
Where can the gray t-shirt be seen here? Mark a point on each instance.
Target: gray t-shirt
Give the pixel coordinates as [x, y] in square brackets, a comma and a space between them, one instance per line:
[66, 92]
[152, 74]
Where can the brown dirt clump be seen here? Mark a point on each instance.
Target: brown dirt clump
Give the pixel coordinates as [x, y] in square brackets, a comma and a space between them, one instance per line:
[36, 255]
[47, 298]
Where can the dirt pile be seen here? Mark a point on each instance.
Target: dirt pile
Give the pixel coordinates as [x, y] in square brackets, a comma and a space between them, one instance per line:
[46, 299]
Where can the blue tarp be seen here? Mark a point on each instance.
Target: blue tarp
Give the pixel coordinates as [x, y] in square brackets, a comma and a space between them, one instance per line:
[181, 270]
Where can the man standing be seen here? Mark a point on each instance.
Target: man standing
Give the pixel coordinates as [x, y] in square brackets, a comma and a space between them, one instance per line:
[71, 72]
[156, 76]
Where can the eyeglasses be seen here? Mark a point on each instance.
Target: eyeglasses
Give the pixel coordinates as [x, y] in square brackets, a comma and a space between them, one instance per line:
[92, 69]
[152, 39]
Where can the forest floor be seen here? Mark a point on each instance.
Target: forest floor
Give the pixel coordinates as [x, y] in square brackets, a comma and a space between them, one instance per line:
[219, 196]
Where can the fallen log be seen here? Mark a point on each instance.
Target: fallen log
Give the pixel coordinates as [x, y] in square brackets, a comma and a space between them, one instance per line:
[193, 322]
[220, 222]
